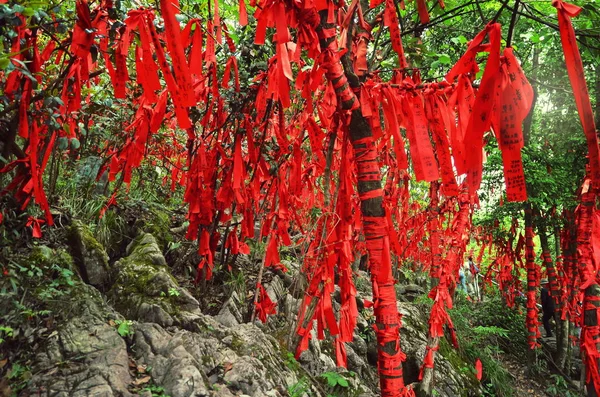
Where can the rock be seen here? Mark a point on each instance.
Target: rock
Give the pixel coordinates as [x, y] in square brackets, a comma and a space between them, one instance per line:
[89, 255]
[276, 289]
[449, 380]
[145, 249]
[86, 356]
[214, 360]
[145, 291]
[410, 292]
[314, 360]
[230, 314]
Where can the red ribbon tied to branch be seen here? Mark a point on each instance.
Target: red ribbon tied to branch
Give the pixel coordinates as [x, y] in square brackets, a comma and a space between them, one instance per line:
[576, 76]
[265, 305]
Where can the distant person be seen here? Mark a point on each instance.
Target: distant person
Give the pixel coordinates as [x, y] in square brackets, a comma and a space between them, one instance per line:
[463, 280]
[547, 308]
[472, 274]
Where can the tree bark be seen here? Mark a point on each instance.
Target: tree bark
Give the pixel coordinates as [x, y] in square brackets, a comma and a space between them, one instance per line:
[454, 253]
[562, 326]
[434, 234]
[527, 127]
[591, 300]
[369, 186]
[532, 312]
[426, 385]
[387, 318]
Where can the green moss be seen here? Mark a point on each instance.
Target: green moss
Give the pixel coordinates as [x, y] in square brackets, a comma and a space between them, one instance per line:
[43, 257]
[457, 362]
[237, 344]
[137, 282]
[207, 360]
[159, 226]
[89, 240]
[135, 277]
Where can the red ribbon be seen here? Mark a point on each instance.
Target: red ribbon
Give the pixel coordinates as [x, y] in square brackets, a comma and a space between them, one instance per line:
[574, 65]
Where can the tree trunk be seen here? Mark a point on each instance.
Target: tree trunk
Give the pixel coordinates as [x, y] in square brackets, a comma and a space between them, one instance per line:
[426, 385]
[531, 274]
[591, 300]
[562, 326]
[532, 277]
[434, 226]
[387, 318]
[445, 278]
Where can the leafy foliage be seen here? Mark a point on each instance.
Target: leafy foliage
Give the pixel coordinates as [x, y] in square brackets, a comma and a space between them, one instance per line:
[334, 379]
[487, 331]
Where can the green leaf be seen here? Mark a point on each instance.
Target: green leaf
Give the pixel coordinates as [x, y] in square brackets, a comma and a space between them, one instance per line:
[62, 143]
[4, 62]
[331, 382]
[535, 38]
[444, 59]
[124, 329]
[75, 143]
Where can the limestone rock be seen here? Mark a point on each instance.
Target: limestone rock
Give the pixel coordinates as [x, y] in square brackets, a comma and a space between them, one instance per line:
[145, 291]
[231, 313]
[214, 360]
[90, 256]
[86, 356]
[449, 380]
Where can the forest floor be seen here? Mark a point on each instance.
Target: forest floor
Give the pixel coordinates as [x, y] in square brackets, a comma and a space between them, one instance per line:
[523, 385]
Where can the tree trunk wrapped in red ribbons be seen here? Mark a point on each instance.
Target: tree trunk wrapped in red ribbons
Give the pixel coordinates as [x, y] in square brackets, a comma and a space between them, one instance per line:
[533, 280]
[590, 333]
[375, 228]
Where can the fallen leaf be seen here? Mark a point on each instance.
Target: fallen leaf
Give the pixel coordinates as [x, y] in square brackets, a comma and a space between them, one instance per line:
[3, 363]
[5, 389]
[141, 368]
[227, 367]
[141, 381]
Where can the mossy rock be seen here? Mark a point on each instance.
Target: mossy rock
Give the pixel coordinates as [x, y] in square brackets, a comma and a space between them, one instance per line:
[44, 257]
[156, 222]
[90, 256]
[144, 290]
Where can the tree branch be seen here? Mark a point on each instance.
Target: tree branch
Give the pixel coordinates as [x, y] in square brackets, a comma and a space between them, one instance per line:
[511, 28]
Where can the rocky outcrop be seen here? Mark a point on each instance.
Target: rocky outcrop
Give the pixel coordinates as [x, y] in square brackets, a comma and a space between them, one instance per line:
[214, 361]
[188, 353]
[145, 291]
[85, 356]
[449, 379]
[89, 255]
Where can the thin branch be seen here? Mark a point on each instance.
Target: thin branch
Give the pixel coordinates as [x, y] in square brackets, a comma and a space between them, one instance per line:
[504, 4]
[511, 28]
[434, 22]
[483, 20]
